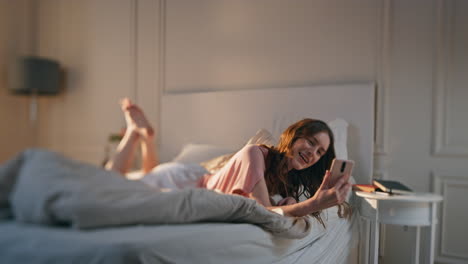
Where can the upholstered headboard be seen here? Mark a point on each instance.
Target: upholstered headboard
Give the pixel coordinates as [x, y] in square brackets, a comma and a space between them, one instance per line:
[230, 118]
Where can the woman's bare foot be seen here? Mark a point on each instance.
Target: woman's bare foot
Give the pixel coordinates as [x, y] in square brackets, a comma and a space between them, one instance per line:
[135, 119]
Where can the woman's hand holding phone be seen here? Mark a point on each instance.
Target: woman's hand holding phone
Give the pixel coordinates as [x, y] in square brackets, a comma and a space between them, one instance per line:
[338, 169]
[330, 195]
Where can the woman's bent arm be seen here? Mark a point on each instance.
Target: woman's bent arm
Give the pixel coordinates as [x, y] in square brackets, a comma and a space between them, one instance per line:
[325, 197]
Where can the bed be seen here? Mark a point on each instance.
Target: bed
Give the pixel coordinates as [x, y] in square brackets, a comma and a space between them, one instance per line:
[231, 118]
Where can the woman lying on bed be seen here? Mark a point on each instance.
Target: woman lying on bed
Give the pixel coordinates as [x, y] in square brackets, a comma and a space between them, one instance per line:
[296, 167]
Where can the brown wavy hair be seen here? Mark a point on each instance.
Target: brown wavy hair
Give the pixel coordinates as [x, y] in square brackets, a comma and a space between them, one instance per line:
[297, 183]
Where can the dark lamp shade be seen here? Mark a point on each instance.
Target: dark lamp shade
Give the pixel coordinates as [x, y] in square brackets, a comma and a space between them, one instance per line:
[35, 75]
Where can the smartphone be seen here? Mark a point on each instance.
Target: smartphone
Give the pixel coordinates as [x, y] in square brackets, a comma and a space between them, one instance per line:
[340, 167]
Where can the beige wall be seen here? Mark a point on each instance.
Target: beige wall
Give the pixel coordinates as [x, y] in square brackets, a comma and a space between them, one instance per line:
[414, 50]
[15, 40]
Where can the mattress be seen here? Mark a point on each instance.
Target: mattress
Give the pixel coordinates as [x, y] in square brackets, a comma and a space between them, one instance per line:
[193, 243]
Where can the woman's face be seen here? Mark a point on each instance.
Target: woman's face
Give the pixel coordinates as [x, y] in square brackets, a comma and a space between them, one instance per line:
[307, 151]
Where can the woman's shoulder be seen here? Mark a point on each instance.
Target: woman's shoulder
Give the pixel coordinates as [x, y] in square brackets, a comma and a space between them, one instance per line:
[253, 149]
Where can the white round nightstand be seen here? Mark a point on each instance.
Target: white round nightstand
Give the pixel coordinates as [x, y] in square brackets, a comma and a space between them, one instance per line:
[415, 209]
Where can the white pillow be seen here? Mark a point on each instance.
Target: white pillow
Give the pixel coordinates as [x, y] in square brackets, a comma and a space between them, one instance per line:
[340, 131]
[262, 136]
[197, 153]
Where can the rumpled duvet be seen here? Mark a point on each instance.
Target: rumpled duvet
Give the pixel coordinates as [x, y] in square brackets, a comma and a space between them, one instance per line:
[46, 188]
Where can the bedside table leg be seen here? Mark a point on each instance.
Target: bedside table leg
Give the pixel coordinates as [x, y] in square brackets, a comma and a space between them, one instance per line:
[374, 258]
[417, 246]
[432, 233]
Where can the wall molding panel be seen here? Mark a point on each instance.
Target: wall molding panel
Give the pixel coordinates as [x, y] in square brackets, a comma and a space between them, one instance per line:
[149, 63]
[450, 187]
[162, 46]
[133, 34]
[383, 76]
[445, 12]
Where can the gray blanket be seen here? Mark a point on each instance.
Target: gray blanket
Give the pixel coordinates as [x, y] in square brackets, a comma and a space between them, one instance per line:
[46, 188]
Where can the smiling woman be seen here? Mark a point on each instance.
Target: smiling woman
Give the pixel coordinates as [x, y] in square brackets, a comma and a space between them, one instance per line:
[297, 167]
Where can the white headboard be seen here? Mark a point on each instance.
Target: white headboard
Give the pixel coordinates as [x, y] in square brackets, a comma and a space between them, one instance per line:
[230, 118]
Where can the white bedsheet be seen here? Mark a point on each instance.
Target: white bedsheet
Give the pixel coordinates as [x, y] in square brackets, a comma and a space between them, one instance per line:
[194, 243]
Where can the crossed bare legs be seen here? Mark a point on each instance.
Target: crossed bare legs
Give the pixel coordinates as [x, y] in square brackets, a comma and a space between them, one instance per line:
[138, 130]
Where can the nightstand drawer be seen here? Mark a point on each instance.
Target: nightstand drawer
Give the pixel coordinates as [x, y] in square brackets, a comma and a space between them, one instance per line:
[397, 212]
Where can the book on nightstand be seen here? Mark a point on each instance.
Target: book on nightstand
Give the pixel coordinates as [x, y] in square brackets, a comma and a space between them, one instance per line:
[364, 187]
[392, 187]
